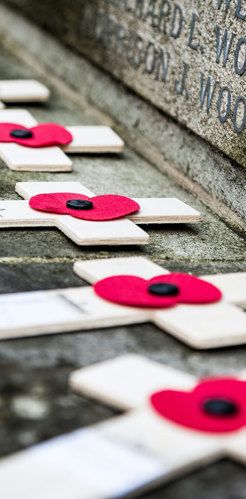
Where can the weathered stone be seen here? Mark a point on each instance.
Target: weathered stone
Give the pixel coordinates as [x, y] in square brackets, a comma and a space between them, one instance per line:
[191, 161]
[187, 57]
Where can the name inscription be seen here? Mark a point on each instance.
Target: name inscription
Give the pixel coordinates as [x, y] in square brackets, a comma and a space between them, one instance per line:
[188, 59]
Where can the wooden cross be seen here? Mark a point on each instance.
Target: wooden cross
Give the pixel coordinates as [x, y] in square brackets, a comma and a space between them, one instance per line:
[95, 139]
[127, 383]
[84, 232]
[125, 455]
[200, 326]
[17, 91]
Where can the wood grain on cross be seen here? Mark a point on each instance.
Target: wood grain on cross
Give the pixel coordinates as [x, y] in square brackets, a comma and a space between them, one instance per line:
[124, 455]
[123, 231]
[95, 139]
[200, 326]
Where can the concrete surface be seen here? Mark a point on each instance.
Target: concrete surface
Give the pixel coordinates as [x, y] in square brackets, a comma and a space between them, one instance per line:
[35, 401]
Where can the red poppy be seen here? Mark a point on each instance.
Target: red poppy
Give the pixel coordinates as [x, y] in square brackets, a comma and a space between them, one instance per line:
[46, 134]
[161, 291]
[107, 207]
[215, 405]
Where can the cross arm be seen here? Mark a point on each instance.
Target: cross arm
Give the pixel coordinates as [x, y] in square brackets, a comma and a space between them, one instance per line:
[18, 116]
[29, 189]
[20, 214]
[233, 286]
[164, 210]
[235, 443]
[235, 446]
[108, 233]
[204, 326]
[18, 157]
[127, 382]
[95, 270]
[64, 310]
[93, 139]
[23, 91]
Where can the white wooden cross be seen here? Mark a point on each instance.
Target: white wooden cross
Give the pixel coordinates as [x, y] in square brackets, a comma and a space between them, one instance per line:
[96, 139]
[200, 326]
[126, 383]
[17, 91]
[84, 232]
[125, 455]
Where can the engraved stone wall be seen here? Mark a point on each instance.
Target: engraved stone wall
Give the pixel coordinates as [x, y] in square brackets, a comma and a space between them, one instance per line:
[187, 57]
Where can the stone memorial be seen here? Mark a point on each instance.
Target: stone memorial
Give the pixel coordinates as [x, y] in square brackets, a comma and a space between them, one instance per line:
[182, 69]
[188, 58]
[168, 76]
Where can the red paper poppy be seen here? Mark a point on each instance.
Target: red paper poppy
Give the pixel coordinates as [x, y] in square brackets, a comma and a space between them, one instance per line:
[135, 291]
[215, 405]
[107, 207]
[46, 134]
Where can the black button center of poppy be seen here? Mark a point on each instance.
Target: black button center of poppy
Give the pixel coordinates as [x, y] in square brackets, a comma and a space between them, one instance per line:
[21, 134]
[79, 204]
[163, 289]
[220, 407]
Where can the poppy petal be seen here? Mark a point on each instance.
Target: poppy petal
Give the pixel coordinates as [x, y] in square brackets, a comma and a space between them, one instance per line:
[192, 289]
[46, 134]
[134, 291]
[107, 207]
[54, 202]
[131, 291]
[187, 408]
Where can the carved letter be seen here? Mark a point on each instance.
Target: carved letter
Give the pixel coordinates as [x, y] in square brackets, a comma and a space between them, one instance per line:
[151, 12]
[238, 11]
[224, 117]
[177, 15]
[180, 89]
[192, 29]
[164, 15]
[207, 92]
[240, 70]
[240, 128]
[226, 6]
[150, 58]
[223, 44]
[164, 62]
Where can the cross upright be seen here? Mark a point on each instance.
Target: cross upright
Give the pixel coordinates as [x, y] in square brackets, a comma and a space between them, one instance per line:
[208, 325]
[17, 91]
[86, 139]
[173, 424]
[86, 232]
[22, 91]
